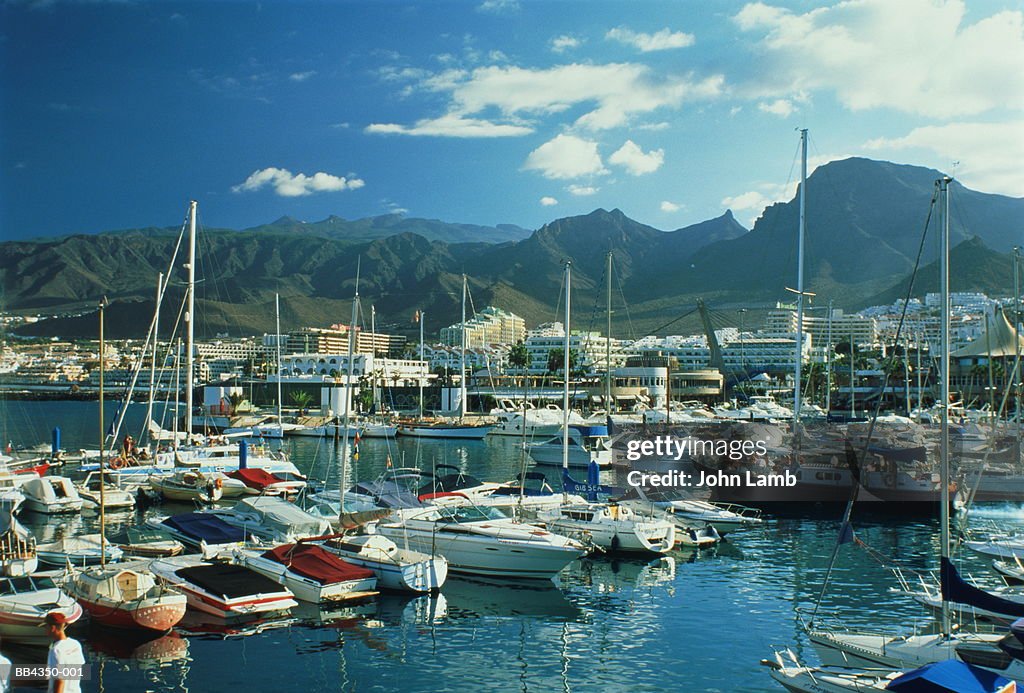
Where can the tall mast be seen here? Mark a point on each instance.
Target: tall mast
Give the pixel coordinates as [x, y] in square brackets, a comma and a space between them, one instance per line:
[103, 441]
[190, 315]
[828, 363]
[565, 365]
[944, 381]
[1016, 380]
[800, 278]
[156, 350]
[277, 341]
[608, 343]
[423, 317]
[348, 396]
[462, 359]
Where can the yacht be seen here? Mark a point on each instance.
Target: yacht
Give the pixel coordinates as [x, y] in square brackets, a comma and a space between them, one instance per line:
[482, 541]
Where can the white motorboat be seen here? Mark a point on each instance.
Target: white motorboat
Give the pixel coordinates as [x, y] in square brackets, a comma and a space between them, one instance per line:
[225, 590]
[310, 572]
[51, 495]
[114, 497]
[724, 517]
[612, 527]
[586, 444]
[482, 541]
[272, 518]
[511, 419]
[78, 551]
[402, 570]
[24, 603]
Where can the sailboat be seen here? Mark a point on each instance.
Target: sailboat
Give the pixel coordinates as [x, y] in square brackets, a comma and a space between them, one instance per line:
[443, 428]
[610, 526]
[119, 595]
[875, 650]
[396, 569]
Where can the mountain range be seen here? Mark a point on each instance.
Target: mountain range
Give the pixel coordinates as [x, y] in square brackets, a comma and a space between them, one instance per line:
[865, 221]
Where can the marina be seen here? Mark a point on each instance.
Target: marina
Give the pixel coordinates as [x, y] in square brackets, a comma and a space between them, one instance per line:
[604, 622]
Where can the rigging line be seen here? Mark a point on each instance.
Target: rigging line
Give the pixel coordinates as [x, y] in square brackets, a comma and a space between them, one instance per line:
[631, 330]
[855, 489]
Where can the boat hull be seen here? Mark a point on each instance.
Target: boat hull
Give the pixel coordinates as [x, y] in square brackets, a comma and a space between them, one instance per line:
[460, 432]
[157, 615]
[470, 556]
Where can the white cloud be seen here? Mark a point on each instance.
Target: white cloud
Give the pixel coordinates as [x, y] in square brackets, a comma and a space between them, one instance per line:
[645, 43]
[301, 76]
[610, 94]
[989, 154]
[287, 184]
[631, 157]
[498, 6]
[565, 42]
[548, 201]
[450, 126]
[779, 107]
[669, 207]
[753, 202]
[582, 190]
[915, 56]
[565, 156]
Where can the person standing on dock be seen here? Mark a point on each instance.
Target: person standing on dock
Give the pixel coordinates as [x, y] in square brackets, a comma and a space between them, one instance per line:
[65, 653]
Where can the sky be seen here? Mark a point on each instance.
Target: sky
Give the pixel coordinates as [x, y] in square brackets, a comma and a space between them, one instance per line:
[113, 114]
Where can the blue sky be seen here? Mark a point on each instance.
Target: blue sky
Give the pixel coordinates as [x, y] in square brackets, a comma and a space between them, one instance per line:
[115, 114]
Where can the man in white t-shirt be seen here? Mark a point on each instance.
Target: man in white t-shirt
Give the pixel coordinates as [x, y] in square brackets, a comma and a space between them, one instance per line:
[64, 652]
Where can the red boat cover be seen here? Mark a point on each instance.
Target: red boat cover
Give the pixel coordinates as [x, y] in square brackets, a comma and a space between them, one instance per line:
[317, 564]
[254, 478]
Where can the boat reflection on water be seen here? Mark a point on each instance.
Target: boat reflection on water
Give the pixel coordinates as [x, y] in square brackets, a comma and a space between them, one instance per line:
[469, 598]
[145, 649]
[203, 625]
[617, 574]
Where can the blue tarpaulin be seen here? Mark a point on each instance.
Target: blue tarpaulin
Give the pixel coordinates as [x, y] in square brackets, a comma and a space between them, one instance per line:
[951, 676]
[203, 527]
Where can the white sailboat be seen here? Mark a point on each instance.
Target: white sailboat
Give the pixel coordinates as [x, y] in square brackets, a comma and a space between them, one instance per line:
[607, 525]
[847, 648]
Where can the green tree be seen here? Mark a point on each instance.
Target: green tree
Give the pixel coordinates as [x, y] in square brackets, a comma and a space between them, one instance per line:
[302, 400]
[519, 356]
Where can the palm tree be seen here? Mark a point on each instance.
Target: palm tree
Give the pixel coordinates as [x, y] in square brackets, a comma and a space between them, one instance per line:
[301, 399]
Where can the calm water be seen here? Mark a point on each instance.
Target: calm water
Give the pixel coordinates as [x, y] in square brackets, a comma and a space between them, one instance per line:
[691, 622]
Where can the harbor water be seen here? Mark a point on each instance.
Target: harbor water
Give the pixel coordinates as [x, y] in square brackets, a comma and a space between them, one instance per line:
[695, 621]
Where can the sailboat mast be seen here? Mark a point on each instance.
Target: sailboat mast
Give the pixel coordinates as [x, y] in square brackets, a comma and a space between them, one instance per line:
[103, 440]
[277, 341]
[944, 382]
[565, 365]
[800, 278]
[1016, 380]
[348, 396]
[608, 343]
[190, 315]
[462, 357]
[156, 350]
[828, 363]
[423, 317]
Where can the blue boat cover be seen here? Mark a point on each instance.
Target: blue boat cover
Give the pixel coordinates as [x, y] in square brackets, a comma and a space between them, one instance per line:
[590, 431]
[956, 589]
[204, 527]
[952, 676]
